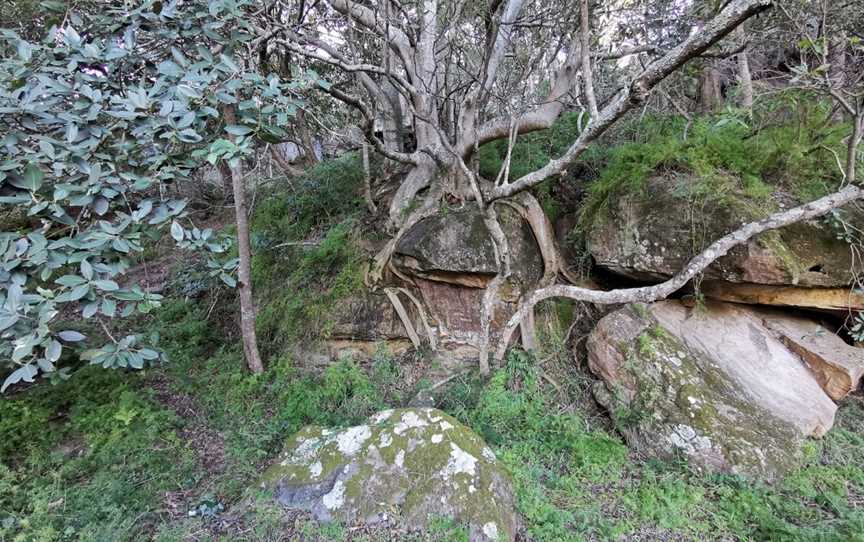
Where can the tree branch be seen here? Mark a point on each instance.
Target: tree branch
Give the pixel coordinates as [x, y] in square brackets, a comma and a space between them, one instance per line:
[639, 89]
[369, 127]
[538, 118]
[394, 36]
[696, 265]
[587, 75]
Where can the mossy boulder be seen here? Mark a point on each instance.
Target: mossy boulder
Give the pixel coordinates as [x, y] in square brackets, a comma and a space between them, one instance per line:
[404, 467]
[455, 246]
[651, 234]
[711, 384]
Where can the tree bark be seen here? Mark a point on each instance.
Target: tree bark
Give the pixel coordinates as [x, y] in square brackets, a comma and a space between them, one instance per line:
[309, 157]
[710, 97]
[745, 78]
[244, 270]
[367, 180]
[587, 74]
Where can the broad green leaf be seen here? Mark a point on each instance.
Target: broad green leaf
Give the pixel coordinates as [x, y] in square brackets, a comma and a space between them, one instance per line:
[53, 351]
[237, 130]
[109, 307]
[74, 294]
[71, 336]
[86, 269]
[25, 373]
[228, 279]
[32, 178]
[176, 231]
[106, 285]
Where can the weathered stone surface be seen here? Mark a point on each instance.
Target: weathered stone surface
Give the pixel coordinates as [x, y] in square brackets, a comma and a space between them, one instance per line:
[365, 324]
[837, 366]
[403, 467]
[828, 299]
[651, 236]
[370, 317]
[456, 247]
[714, 385]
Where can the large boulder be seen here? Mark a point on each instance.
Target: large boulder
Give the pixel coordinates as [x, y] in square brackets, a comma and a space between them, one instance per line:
[451, 259]
[456, 247]
[401, 468]
[713, 384]
[837, 366]
[651, 235]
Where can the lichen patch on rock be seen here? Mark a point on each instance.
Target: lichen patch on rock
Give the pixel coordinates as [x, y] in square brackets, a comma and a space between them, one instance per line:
[405, 466]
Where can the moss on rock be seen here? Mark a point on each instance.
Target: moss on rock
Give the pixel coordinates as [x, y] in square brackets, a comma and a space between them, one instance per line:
[668, 397]
[404, 466]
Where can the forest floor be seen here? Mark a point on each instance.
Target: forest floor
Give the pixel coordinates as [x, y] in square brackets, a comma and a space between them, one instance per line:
[171, 453]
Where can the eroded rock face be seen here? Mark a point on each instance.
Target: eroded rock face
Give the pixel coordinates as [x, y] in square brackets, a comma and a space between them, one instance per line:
[837, 366]
[823, 299]
[456, 247]
[714, 385]
[403, 467]
[451, 260]
[651, 236]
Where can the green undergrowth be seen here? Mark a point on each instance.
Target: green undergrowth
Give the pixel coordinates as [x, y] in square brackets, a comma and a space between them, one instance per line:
[576, 481]
[110, 452]
[786, 144]
[89, 459]
[729, 158]
[307, 255]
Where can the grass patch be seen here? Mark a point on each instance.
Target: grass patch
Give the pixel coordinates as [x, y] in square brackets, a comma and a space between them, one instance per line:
[728, 157]
[88, 459]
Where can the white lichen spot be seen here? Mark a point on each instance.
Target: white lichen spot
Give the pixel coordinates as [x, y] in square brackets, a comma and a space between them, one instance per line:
[385, 440]
[445, 425]
[400, 459]
[687, 440]
[315, 469]
[381, 416]
[488, 453]
[304, 451]
[437, 438]
[490, 530]
[460, 462]
[472, 489]
[410, 420]
[336, 498]
[351, 440]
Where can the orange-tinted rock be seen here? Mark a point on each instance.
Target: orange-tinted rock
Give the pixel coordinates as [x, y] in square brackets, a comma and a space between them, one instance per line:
[830, 299]
[837, 366]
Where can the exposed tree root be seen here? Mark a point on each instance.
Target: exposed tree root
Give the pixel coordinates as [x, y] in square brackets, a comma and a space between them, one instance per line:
[430, 334]
[376, 271]
[490, 296]
[393, 296]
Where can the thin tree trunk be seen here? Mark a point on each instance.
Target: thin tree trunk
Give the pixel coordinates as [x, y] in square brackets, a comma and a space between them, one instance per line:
[244, 271]
[854, 141]
[587, 75]
[745, 78]
[306, 137]
[710, 98]
[367, 180]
